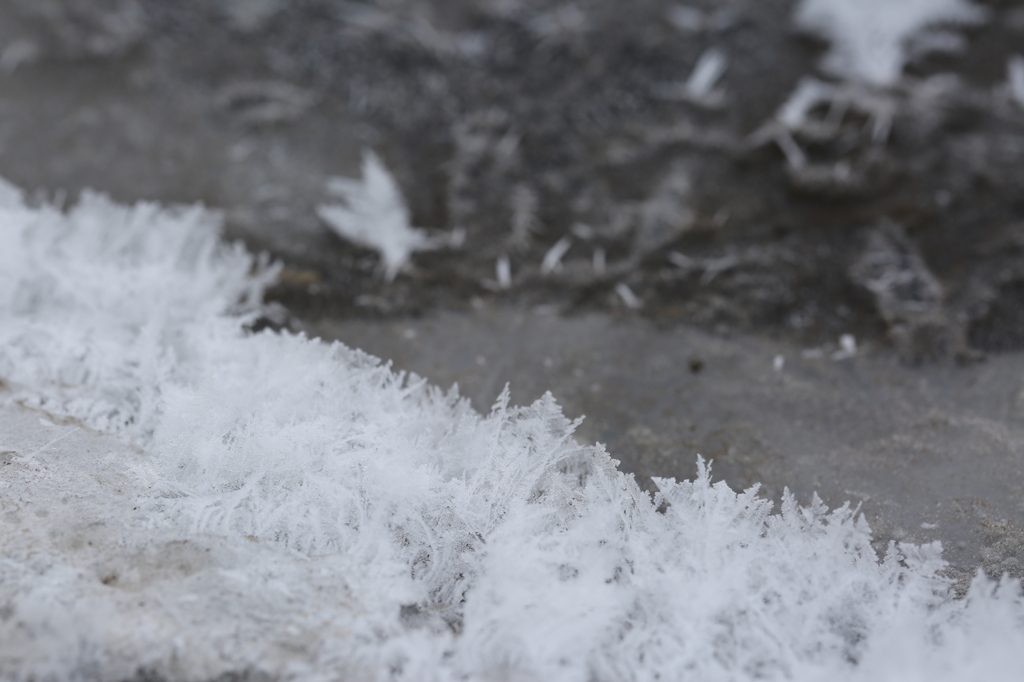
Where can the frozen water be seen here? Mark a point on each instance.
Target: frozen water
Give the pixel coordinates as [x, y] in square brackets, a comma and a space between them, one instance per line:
[272, 504]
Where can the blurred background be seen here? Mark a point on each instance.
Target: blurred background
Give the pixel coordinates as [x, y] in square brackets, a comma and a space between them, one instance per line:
[787, 235]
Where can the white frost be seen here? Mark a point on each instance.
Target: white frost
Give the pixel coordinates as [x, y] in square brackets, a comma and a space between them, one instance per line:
[870, 37]
[375, 216]
[361, 524]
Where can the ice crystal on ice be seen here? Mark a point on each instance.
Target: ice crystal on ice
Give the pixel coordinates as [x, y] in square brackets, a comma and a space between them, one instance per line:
[870, 37]
[375, 216]
[552, 260]
[700, 86]
[1015, 78]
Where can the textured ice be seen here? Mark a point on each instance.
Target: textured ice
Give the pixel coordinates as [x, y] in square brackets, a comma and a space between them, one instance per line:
[266, 503]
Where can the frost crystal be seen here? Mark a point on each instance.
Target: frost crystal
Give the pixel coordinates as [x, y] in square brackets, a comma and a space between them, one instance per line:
[706, 74]
[870, 37]
[700, 88]
[1015, 78]
[375, 216]
[361, 524]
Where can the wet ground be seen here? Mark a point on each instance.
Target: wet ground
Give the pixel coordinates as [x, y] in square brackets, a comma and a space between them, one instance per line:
[700, 247]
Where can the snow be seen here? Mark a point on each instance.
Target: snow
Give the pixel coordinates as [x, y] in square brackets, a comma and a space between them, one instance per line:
[871, 39]
[266, 503]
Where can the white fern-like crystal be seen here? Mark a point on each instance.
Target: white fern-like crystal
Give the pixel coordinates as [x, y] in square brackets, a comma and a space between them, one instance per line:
[374, 215]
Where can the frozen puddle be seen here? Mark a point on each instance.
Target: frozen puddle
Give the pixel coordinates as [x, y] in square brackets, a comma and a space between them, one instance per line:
[181, 500]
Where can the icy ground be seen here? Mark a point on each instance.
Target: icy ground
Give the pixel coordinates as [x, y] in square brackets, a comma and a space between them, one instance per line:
[182, 499]
[724, 163]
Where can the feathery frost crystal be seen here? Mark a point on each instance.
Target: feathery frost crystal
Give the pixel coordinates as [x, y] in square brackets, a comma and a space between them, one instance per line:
[362, 524]
[375, 216]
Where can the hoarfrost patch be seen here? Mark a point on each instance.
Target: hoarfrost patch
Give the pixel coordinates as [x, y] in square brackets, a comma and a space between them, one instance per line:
[363, 523]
